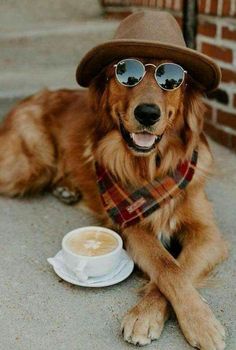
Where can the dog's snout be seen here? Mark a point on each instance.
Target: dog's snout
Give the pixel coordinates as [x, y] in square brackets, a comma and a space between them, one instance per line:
[147, 114]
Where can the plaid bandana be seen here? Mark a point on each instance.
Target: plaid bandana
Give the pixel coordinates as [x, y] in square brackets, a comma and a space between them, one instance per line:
[127, 208]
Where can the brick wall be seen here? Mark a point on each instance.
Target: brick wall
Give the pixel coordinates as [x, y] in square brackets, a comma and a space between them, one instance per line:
[216, 37]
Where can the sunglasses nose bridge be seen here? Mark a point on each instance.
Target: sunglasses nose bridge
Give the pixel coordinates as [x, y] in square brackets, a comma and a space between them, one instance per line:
[151, 71]
[150, 65]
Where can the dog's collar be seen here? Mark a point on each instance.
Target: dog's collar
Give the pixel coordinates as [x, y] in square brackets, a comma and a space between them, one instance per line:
[127, 208]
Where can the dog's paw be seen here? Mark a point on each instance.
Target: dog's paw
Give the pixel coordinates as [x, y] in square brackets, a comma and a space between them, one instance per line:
[200, 327]
[66, 196]
[144, 322]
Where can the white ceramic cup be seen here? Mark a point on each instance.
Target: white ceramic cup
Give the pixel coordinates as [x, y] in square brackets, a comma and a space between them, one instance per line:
[91, 266]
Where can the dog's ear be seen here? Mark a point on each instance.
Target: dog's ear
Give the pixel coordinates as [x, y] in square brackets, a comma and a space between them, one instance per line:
[98, 96]
[193, 114]
[97, 90]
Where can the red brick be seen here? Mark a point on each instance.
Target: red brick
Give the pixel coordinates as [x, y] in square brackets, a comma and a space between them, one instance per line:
[208, 112]
[233, 12]
[217, 134]
[226, 118]
[213, 7]
[201, 6]
[160, 3]
[226, 7]
[228, 34]
[136, 2]
[218, 52]
[152, 3]
[177, 5]
[117, 15]
[181, 4]
[168, 4]
[233, 142]
[207, 29]
[179, 20]
[228, 75]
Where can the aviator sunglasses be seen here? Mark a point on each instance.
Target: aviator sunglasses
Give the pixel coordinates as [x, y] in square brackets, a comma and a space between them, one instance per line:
[130, 72]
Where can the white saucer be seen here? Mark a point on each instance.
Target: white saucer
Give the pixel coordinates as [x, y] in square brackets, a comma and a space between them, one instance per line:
[67, 275]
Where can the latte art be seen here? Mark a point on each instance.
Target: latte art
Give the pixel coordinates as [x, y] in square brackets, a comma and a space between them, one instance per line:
[92, 243]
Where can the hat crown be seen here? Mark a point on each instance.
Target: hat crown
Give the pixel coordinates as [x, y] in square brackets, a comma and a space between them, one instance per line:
[152, 26]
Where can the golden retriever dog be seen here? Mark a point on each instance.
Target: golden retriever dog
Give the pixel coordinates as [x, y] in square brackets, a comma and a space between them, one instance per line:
[52, 140]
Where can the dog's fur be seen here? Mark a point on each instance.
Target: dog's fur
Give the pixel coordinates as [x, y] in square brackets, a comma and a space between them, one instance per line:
[52, 139]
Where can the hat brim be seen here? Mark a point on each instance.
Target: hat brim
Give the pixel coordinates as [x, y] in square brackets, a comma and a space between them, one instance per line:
[200, 67]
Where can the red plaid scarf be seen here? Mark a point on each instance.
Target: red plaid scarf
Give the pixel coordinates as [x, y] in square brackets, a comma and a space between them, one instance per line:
[127, 208]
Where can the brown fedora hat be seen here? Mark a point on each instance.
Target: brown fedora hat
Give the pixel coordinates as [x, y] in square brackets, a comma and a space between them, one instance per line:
[150, 34]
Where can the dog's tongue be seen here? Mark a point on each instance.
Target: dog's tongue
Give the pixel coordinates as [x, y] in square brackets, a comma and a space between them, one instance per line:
[143, 139]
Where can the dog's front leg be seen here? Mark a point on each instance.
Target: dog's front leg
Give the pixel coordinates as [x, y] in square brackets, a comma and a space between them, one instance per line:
[196, 320]
[202, 249]
[145, 321]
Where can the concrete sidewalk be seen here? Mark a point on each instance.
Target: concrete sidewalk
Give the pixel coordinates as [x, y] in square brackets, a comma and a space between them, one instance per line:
[40, 311]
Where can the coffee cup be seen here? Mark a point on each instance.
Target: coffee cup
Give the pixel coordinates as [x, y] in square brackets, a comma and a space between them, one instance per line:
[91, 251]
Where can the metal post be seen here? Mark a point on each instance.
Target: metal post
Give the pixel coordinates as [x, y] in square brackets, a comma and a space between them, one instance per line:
[190, 11]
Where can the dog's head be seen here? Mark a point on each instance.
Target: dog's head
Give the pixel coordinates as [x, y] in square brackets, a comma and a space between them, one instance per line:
[145, 118]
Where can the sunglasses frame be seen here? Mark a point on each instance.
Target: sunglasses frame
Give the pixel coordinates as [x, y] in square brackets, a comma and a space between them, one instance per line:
[145, 71]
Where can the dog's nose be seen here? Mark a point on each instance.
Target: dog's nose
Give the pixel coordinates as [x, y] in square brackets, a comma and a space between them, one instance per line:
[147, 114]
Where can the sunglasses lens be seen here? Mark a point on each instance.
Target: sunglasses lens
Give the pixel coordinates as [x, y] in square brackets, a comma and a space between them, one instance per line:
[129, 72]
[169, 76]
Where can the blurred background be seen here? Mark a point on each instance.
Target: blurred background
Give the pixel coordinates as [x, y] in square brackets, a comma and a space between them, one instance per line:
[41, 43]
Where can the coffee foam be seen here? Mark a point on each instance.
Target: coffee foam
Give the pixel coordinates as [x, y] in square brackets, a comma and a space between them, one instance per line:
[92, 243]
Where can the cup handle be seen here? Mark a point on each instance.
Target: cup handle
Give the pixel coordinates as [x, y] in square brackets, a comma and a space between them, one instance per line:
[79, 271]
